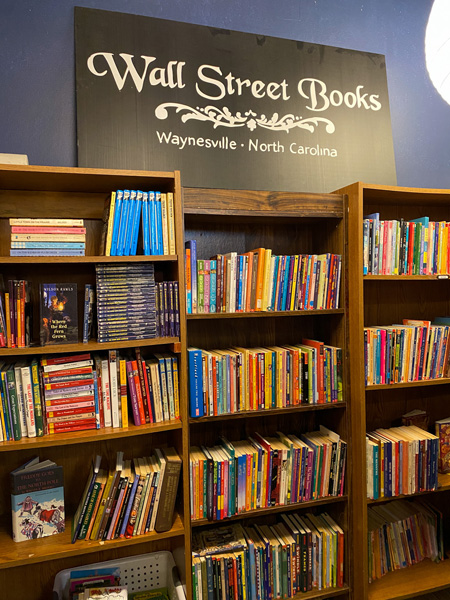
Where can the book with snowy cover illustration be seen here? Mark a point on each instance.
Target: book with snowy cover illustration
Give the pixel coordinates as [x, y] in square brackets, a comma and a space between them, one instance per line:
[37, 500]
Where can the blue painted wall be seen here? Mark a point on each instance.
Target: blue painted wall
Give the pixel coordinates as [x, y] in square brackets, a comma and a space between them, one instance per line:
[37, 81]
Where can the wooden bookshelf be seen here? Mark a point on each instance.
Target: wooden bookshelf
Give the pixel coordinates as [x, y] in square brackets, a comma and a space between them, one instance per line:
[27, 569]
[223, 221]
[382, 300]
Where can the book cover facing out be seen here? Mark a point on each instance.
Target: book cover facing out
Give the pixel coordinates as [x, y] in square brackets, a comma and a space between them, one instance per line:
[59, 316]
[37, 503]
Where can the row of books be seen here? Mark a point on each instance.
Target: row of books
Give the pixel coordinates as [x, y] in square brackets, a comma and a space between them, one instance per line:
[402, 247]
[401, 460]
[131, 215]
[402, 534]
[167, 309]
[16, 314]
[79, 392]
[261, 562]
[414, 350]
[133, 498]
[47, 237]
[260, 281]
[242, 379]
[126, 302]
[236, 477]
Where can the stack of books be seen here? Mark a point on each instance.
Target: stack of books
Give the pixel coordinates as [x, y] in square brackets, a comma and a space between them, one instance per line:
[135, 497]
[402, 247]
[242, 379]
[133, 215]
[70, 394]
[126, 302]
[415, 350]
[401, 460]
[232, 478]
[294, 555]
[401, 534]
[48, 237]
[260, 281]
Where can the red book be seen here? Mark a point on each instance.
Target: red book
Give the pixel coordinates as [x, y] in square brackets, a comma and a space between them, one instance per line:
[69, 384]
[63, 427]
[133, 395]
[148, 393]
[143, 387]
[59, 360]
[80, 371]
[320, 372]
[137, 385]
[72, 411]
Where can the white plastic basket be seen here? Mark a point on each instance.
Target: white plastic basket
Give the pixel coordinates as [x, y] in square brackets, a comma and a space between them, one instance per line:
[138, 573]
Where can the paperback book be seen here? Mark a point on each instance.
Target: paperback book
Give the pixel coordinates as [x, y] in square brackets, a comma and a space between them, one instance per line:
[59, 317]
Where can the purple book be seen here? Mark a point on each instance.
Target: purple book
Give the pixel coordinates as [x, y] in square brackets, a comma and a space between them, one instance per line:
[133, 394]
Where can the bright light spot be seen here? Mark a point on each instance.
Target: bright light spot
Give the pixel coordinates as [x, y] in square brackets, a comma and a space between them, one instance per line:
[437, 47]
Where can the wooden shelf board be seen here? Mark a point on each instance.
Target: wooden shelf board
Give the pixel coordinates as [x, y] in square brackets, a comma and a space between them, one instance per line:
[443, 486]
[406, 277]
[272, 509]
[424, 577]
[272, 411]
[92, 435]
[54, 547]
[284, 313]
[390, 386]
[328, 593]
[83, 259]
[91, 346]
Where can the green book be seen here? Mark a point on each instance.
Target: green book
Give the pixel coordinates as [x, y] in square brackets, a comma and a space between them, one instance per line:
[37, 401]
[98, 486]
[13, 403]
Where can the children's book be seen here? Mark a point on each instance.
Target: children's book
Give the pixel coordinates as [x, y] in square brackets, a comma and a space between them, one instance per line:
[59, 315]
[37, 500]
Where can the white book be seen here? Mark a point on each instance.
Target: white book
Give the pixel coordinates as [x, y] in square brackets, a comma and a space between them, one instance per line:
[66, 366]
[47, 222]
[27, 387]
[156, 387]
[106, 395]
[114, 388]
[21, 398]
[161, 460]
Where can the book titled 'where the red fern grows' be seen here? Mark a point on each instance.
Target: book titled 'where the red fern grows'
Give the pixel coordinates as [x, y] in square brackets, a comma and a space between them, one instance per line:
[47, 237]
[80, 392]
[260, 281]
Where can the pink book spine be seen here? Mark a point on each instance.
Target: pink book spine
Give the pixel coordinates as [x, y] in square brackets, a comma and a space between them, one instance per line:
[133, 395]
[383, 355]
[207, 283]
[385, 243]
[58, 230]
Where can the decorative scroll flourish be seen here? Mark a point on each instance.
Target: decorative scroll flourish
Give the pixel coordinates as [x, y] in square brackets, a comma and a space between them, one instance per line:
[224, 118]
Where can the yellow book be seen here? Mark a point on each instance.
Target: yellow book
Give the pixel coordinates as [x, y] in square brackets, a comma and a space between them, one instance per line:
[294, 282]
[171, 223]
[176, 387]
[110, 224]
[101, 508]
[165, 228]
[123, 392]
[8, 320]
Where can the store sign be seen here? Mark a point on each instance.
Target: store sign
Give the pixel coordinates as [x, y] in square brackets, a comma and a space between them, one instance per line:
[230, 110]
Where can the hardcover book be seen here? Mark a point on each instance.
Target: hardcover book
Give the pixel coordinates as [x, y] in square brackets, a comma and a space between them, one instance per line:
[37, 500]
[59, 316]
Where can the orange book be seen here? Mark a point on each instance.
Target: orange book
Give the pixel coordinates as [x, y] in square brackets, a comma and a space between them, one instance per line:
[8, 321]
[137, 383]
[259, 277]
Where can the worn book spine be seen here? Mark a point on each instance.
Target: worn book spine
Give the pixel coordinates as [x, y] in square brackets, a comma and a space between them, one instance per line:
[169, 486]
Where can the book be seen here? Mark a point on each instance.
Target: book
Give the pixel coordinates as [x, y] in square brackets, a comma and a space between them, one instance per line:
[37, 500]
[442, 430]
[80, 513]
[169, 487]
[58, 313]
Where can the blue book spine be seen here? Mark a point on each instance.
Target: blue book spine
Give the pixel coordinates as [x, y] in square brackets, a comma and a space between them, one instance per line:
[308, 268]
[87, 289]
[212, 285]
[49, 245]
[46, 252]
[145, 225]
[195, 382]
[274, 289]
[376, 470]
[130, 223]
[240, 275]
[285, 282]
[152, 224]
[282, 269]
[159, 233]
[116, 223]
[130, 504]
[96, 400]
[123, 223]
[137, 219]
